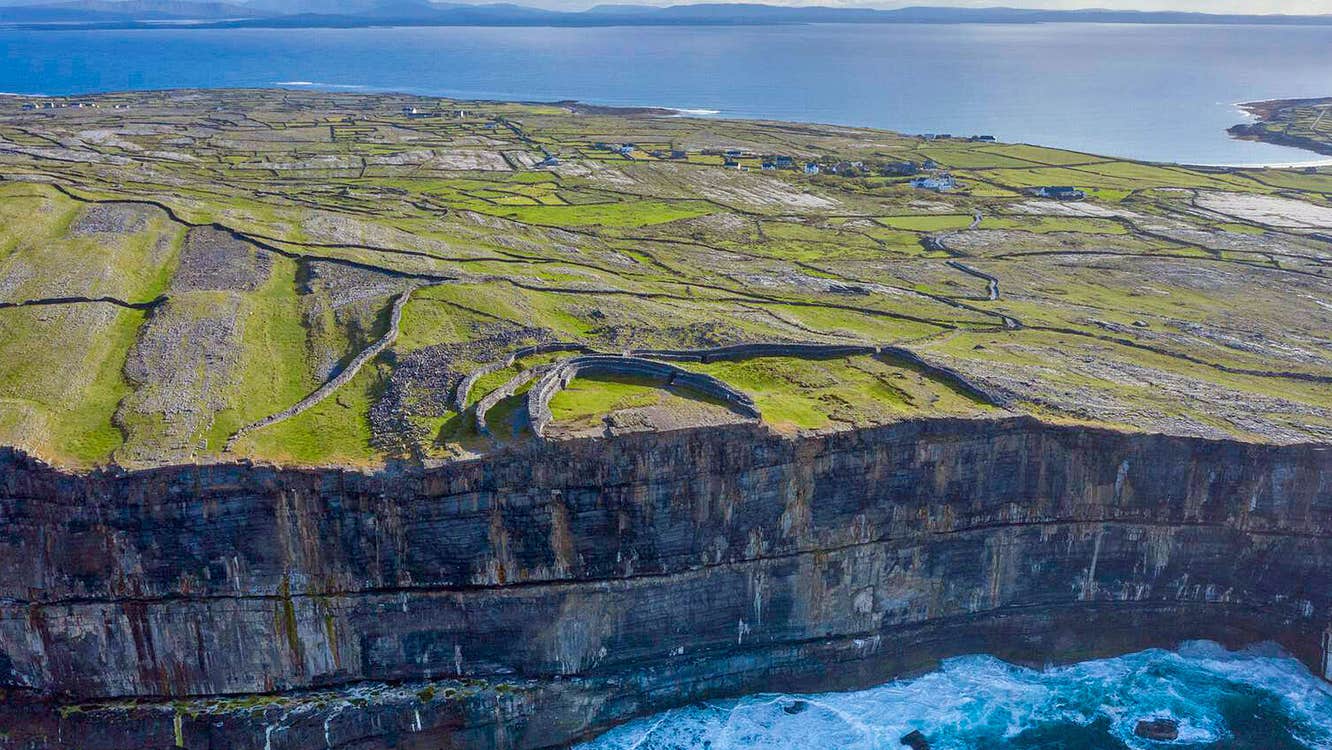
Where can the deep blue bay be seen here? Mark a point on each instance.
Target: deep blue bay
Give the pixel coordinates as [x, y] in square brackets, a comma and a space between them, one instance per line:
[1163, 93]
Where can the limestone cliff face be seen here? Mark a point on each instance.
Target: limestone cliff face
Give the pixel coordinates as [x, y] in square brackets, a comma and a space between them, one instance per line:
[599, 579]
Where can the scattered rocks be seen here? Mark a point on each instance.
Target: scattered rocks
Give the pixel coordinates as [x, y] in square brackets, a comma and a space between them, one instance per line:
[916, 741]
[1160, 730]
[114, 218]
[212, 259]
[424, 382]
[184, 367]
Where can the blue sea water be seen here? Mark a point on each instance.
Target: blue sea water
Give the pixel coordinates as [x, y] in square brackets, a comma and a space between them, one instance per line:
[1257, 699]
[1164, 93]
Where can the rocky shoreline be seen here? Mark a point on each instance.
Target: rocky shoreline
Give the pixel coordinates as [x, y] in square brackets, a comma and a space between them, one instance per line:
[1278, 111]
[543, 594]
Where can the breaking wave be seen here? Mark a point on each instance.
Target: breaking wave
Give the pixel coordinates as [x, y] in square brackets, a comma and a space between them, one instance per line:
[319, 85]
[1258, 699]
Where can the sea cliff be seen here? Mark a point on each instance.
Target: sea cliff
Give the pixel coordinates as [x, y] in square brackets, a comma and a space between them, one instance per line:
[542, 594]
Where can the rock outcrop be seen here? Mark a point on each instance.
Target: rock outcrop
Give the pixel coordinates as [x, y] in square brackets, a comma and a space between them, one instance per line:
[544, 593]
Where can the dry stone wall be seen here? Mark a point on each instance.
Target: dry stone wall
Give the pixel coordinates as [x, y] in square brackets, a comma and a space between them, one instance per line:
[670, 376]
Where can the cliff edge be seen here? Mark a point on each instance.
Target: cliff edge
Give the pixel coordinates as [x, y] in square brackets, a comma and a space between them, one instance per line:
[544, 593]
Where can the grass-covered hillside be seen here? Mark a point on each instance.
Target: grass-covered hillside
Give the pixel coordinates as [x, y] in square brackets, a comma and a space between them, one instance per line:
[318, 278]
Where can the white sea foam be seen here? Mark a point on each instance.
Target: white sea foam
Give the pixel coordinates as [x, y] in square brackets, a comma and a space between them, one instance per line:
[695, 112]
[317, 84]
[979, 701]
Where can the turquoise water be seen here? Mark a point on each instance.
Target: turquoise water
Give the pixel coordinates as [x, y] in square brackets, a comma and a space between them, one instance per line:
[1162, 93]
[1257, 699]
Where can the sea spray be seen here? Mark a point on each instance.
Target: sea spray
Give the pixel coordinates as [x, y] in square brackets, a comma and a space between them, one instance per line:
[1258, 699]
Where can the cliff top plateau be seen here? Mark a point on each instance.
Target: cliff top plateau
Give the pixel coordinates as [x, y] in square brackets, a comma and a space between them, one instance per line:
[308, 278]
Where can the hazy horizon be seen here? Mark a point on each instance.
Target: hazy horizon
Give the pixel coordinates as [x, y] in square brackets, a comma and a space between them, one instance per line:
[1264, 7]
[1287, 7]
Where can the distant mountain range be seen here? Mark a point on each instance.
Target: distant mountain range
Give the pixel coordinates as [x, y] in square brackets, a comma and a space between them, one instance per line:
[353, 13]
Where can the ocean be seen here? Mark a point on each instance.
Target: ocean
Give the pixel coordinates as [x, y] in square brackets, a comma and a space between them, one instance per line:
[1160, 93]
[1257, 699]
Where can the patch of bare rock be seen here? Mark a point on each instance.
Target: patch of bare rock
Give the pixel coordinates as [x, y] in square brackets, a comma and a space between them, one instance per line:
[114, 218]
[212, 259]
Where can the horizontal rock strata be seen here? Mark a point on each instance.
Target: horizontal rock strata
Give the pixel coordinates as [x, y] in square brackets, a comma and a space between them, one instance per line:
[578, 584]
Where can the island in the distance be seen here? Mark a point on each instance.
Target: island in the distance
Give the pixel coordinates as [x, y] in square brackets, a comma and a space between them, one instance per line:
[392, 421]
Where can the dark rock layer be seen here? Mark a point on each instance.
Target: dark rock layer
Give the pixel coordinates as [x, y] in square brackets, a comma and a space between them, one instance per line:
[578, 584]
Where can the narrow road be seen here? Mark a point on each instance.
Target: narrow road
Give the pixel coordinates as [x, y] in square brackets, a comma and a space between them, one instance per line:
[992, 282]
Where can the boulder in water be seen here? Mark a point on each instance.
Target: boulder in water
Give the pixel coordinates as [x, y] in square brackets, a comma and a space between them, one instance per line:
[1164, 730]
[795, 707]
[916, 741]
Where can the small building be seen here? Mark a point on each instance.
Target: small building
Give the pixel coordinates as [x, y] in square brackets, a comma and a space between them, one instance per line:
[626, 149]
[940, 183]
[982, 139]
[784, 162]
[899, 169]
[768, 166]
[730, 163]
[679, 154]
[811, 167]
[600, 146]
[733, 153]
[409, 111]
[549, 161]
[930, 164]
[1061, 193]
[30, 105]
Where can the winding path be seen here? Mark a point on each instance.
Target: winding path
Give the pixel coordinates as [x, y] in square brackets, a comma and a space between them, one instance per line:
[991, 280]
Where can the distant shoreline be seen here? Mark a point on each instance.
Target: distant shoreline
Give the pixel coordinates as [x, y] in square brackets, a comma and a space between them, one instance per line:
[82, 15]
[631, 110]
[1278, 123]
